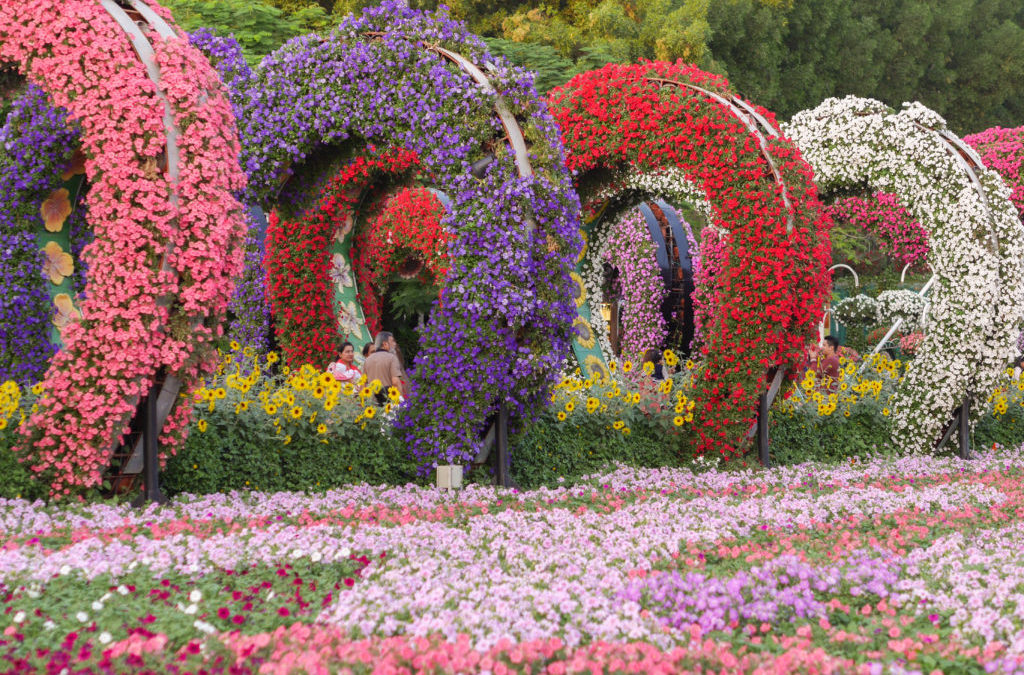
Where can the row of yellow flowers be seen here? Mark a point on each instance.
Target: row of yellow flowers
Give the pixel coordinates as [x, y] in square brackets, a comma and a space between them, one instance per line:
[304, 399]
[872, 385]
[624, 393]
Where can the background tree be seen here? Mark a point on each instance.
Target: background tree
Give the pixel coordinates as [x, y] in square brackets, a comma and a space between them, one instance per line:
[962, 58]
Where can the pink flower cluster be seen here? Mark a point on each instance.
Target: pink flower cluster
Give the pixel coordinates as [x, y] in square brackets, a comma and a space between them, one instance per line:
[1002, 150]
[631, 251]
[900, 236]
[316, 649]
[164, 255]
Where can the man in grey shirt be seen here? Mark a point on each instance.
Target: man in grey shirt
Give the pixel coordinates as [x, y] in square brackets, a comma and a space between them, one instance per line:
[384, 365]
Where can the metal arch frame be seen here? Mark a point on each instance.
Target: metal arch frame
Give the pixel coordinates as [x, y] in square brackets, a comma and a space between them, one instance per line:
[856, 279]
[755, 123]
[513, 132]
[674, 222]
[660, 246]
[828, 309]
[675, 225]
[163, 396]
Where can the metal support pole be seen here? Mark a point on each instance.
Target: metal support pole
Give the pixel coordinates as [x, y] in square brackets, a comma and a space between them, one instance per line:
[965, 428]
[762, 429]
[502, 476]
[151, 457]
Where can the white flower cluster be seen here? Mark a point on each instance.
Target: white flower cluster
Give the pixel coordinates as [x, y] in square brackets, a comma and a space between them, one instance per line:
[902, 304]
[976, 248]
[858, 310]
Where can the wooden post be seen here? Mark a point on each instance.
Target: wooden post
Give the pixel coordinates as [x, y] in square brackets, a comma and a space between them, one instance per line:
[965, 428]
[502, 475]
[762, 429]
[150, 448]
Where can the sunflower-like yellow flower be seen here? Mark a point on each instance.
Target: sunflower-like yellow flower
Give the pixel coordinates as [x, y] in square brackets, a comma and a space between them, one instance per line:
[202, 425]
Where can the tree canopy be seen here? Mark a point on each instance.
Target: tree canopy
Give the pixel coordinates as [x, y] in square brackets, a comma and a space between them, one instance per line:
[963, 58]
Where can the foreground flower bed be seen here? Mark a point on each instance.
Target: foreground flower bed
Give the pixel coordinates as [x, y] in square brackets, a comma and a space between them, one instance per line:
[910, 565]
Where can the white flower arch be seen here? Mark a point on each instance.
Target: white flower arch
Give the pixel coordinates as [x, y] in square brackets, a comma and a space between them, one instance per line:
[976, 246]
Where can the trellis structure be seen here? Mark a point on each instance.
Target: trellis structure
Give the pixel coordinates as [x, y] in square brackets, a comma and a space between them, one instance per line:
[512, 220]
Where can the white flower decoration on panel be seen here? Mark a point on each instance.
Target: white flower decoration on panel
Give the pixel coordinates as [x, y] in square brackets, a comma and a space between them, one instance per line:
[341, 271]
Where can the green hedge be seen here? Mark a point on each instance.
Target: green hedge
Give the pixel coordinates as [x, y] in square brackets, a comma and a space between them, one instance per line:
[215, 462]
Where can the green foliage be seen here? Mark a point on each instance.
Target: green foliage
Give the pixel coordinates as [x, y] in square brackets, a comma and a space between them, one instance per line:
[1006, 430]
[963, 58]
[549, 453]
[258, 27]
[806, 437]
[16, 481]
[233, 458]
[550, 68]
[246, 451]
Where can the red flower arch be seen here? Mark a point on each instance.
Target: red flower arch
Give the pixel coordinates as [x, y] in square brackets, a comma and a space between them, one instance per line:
[656, 117]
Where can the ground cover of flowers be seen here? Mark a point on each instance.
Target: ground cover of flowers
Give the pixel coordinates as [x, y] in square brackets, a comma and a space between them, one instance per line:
[886, 566]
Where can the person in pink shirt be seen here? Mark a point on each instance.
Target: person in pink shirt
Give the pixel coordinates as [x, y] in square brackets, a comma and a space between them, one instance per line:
[344, 369]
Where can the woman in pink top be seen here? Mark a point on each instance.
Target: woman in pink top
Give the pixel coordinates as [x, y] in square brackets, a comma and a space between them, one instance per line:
[344, 369]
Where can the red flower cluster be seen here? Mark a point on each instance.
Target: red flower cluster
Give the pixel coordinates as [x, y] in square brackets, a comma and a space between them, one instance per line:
[773, 284]
[406, 237]
[298, 259]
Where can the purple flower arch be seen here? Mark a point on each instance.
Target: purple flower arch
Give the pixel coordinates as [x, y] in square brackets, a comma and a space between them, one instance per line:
[379, 81]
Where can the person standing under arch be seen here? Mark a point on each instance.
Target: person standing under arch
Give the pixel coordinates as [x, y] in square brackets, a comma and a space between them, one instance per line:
[383, 365]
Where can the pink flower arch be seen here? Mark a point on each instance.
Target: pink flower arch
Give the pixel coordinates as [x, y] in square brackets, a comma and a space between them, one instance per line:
[167, 235]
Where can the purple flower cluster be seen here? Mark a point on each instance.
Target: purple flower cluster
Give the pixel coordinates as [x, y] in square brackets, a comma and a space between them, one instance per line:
[248, 310]
[35, 144]
[783, 589]
[503, 325]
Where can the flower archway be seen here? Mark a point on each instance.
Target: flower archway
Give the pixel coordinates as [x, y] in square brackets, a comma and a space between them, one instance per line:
[397, 96]
[677, 132]
[976, 246]
[160, 153]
